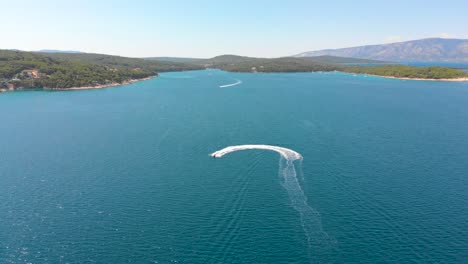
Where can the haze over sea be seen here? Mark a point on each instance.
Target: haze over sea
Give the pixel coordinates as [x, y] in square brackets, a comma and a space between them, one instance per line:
[123, 175]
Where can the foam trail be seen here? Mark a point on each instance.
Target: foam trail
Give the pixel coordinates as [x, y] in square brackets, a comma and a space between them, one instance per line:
[231, 84]
[319, 243]
[284, 152]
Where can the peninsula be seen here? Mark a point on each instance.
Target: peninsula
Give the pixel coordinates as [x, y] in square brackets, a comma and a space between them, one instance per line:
[72, 71]
[234, 63]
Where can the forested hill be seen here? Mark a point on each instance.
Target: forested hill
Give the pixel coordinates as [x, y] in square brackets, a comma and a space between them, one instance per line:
[250, 64]
[20, 69]
[125, 62]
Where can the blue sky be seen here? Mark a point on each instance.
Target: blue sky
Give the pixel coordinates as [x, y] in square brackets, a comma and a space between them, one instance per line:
[206, 28]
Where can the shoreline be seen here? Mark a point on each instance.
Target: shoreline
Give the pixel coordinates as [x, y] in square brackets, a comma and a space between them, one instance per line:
[463, 79]
[102, 86]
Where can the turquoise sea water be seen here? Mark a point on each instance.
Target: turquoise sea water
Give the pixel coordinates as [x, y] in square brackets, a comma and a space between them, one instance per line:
[123, 175]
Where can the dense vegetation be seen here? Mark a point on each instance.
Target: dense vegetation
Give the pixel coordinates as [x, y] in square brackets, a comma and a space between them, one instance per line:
[65, 70]
[289, 64]
[248, 64]
[60, 70]
[402, 71]
[124, 62]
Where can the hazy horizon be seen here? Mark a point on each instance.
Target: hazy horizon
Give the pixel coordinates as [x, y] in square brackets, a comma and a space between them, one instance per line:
[193, 57]
[209, 28]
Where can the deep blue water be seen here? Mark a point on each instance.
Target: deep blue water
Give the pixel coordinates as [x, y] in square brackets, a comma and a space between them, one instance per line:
[123, 175]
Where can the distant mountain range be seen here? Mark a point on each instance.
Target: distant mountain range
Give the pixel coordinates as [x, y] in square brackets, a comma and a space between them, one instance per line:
[424, 50]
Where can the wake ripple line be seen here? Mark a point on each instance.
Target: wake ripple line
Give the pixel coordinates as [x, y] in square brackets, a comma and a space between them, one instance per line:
[318, 242]
[231, 84]
[288, 154]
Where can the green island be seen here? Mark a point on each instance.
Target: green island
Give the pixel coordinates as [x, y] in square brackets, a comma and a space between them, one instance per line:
[23, 70]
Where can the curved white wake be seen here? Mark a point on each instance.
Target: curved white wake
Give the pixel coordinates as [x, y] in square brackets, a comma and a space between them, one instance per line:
[319, 243]
[231, 84]
[288, 154]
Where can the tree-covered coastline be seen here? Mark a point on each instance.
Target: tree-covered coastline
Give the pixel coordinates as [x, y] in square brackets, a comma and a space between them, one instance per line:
[290, 64]
[22, 70]
[409, 72]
